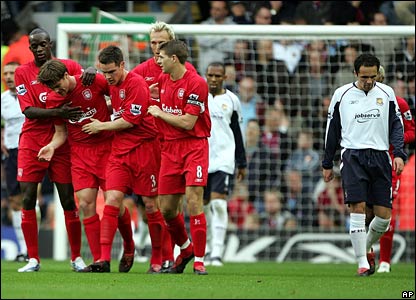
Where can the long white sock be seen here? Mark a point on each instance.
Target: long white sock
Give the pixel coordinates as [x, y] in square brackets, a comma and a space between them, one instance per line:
[218, 226]
[142, 233]
[17, 225]
[208, 218]
[358, 239]
[376, 229]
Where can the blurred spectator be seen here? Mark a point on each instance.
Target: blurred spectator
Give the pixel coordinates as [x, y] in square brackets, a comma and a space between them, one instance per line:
[274, 135]
[319, 124]
[262, 169]
[387, 8]
[294, 195]
[230, 82]
[306, 160]
[242, 59]
[155, 6]
[239, 13]
[282, 11]
[332, 212]
[405, 12]
[288, 51]
[133, 54]
[378, 18]
[13, 8]
[345, 74]
[312, 82]
[18, 43]
[400, 88]
[213, 48]
[402, 62]
[203, 7]
[271, 74]
[262, 14]
[345, 13]
[274, 215]
[383, 48]
[304, 164]
[241, 212]
[183, 13]
[313, 12]
[252, 106]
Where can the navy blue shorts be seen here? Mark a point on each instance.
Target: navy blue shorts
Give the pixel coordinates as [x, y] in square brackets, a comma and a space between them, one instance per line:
[10, 168]
[366, 176]
[218, 182]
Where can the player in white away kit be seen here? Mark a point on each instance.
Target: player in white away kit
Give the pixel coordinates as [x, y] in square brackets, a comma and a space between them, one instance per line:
[364, 118]
[226, 150]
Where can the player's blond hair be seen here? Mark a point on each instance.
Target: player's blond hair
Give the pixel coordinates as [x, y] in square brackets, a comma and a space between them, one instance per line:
[381, 74]
[162, 26]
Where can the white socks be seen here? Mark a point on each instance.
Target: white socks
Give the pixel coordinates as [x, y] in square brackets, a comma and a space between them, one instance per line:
[218, 226]
[17, 225]
[142, 233]
[208, 218]
[376, 229]
[358, 239]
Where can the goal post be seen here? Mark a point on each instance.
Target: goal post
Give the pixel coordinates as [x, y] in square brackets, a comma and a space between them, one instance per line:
[301, 95]
[297, 32]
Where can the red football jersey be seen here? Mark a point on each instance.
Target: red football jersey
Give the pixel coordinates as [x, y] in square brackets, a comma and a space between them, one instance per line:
[31, 93]
[92, 101]
[150, 70]
[186, 95]
[409, 134]
[130, 101]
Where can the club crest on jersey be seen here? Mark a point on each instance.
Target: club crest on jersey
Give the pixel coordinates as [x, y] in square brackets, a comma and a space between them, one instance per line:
[379, 101]
[224, 106]
[21, 90]
[136, 109]
[122, 94]
[181, 92]
[87, 94]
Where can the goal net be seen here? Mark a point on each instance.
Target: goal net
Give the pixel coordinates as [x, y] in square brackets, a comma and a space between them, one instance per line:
[285, 76]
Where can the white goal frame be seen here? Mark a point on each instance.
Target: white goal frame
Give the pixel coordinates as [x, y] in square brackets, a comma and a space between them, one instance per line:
[292, 32]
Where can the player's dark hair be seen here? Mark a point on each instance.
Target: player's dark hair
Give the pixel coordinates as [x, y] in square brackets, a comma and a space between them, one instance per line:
[217, 64]
[39, 30]
[175, 47]
[111, 54]
[51, 72]
[366, 60]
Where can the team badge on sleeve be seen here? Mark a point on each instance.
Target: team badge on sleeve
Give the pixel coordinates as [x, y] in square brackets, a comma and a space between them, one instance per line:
[136, 109]
[193, 99]
[21, 90]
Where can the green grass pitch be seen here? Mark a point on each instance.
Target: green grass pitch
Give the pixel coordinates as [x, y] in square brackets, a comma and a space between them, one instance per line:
[262, 280]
